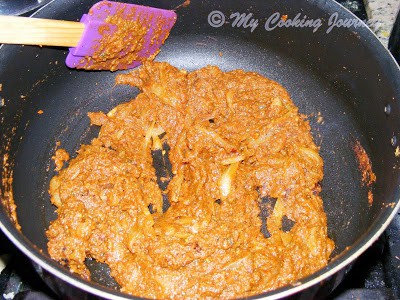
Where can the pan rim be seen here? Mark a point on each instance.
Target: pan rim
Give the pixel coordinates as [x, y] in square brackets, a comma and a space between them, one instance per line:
[365, 241]
[32, 253]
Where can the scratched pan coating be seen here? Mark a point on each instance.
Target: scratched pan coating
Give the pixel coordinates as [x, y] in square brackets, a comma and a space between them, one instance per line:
[345, 75]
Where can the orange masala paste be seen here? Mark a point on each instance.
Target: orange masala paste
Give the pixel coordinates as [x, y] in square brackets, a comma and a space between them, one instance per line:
[242, 158]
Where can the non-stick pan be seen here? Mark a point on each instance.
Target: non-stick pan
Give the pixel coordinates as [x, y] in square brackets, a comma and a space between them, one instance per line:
[342, 75]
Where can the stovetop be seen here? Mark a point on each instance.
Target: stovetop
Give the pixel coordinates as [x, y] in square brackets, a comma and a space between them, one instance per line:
[375, 275]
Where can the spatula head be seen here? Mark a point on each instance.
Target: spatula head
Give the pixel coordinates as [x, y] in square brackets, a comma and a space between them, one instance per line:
[120, 36]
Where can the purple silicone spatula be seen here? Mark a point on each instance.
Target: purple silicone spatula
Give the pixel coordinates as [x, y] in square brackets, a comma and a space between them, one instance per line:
[111, 36]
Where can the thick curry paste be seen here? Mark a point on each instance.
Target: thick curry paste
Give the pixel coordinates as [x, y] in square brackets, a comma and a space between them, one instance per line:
[236, 142]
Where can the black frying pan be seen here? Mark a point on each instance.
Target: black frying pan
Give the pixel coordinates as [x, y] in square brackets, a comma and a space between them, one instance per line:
[346, 75]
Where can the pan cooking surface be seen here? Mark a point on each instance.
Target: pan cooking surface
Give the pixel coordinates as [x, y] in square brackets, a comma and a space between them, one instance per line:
[66, 121]
[343, 96]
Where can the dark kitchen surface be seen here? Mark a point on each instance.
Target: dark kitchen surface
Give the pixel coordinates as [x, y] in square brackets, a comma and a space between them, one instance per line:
[355, 6]
[375, 275]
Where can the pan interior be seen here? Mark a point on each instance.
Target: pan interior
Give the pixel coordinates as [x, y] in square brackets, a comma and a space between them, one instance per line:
[321, 72]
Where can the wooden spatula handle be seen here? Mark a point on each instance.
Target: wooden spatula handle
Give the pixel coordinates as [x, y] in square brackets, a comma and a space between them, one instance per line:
[43, 32]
